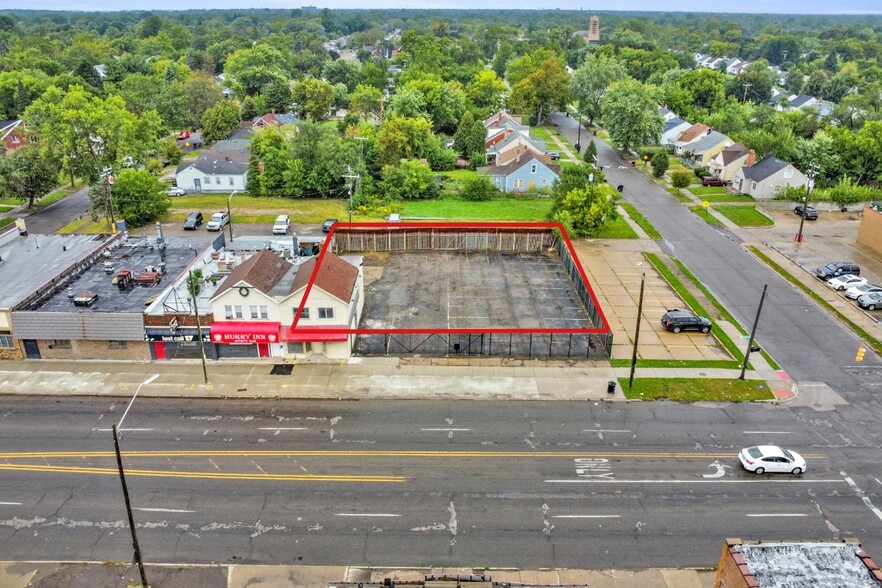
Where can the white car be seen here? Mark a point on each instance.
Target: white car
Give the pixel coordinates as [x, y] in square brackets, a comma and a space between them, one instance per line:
[281, 224]
[772, 459]
[175, 191]
[846, 282]
[218, 221]
[856, 292]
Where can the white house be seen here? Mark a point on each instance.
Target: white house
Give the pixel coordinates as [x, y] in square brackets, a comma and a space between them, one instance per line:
[214, 171]
[765, 179]
[673, 128]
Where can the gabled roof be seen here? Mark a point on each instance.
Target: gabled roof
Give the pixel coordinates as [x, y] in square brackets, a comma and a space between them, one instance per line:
[663, 111]
[500, 118]
[276, 119]
[537, 144]
[801, 100]
[224, 163]
[674, 123]
[260, 271]
[693, 132]
[335, 276]
[709, 141]
[733, 153]
[764, 169]
[519, 162]
[7, 126]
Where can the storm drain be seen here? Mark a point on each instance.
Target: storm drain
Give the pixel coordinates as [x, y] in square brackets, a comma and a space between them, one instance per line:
[282, 369]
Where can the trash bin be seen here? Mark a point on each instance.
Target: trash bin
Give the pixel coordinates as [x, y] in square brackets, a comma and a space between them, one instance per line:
[620, 188]
[611, 387]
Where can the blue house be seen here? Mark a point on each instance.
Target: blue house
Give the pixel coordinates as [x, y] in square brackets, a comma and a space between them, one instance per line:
[524, 173]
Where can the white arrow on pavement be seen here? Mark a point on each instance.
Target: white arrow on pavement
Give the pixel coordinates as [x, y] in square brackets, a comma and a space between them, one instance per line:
[721, 470]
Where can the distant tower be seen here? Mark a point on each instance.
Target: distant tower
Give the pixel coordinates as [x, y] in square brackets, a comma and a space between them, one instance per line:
[594, 29]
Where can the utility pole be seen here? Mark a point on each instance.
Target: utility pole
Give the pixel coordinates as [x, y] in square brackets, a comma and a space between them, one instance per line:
[122, 479]
[810, 175]
[637, 332]
[230, 214]
[195, 307]
[744, 99]
[350, 176]
[108, 195]
[753, 332]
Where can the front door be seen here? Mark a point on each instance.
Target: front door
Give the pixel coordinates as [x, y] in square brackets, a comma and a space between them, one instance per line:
[263, 350]
[197, 185]
[159, 350]
[32, 350]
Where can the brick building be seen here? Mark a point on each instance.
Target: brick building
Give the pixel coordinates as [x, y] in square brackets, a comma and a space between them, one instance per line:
[870, 230]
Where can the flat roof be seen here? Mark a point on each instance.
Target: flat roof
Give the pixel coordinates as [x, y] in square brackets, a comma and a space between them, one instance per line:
[820, 565]
[135, 254]
[28, 263]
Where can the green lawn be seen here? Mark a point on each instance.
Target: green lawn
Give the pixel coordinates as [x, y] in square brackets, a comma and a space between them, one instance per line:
[705, 215]
[676, 193]
[727, 198]
[503, 209]
[6, 221]
[617, 229]
[542, 134]
[696, 389]
[455, 180]
[85, 226]
[745, 216]
[253, 209]
[706, 190]
[640, 220]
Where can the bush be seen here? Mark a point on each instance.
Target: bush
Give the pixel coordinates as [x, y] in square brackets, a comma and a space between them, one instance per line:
[478, 188]
[681, 179]
[700, 172]
[660, 163]
[842, 194]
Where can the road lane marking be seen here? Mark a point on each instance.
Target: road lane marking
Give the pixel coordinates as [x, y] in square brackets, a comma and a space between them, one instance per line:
[10, 503]
[122, 430]
[766, 432]
[780, 514]
[161, 509]
[756, 481]
[445, 430]
[866, 499]
[365, 514]
[606, 431]
[283, 429]
[585, 516]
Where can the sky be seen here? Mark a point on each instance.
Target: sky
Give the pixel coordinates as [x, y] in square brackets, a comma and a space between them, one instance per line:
[706, 6]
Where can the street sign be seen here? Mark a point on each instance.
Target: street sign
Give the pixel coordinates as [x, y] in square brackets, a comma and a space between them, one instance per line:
[110, 180]
[705, 203]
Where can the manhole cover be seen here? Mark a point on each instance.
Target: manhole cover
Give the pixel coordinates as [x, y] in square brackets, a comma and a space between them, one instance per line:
[282, 369]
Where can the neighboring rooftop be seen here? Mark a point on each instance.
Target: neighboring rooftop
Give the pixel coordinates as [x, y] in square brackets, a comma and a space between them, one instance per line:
[819, 565]
[29, 263]
[764, 169]
[335, 276]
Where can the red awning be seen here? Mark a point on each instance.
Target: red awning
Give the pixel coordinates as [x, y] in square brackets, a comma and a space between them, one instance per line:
[314, 333]
[245, 332]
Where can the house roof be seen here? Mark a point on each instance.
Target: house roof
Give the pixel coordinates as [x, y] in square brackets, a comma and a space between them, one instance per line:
[335, 276]
[708, 142]
[500, 118]
[7, 126]
[733, 152]
[801, 100]
[764, 169]
[519, 162]
[276, 119]
[260, 271]
[693, 132]
[215, 162]
[537, 144]
[674, 123]
[663, 111]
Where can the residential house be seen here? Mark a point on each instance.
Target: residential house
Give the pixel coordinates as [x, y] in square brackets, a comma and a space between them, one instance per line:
[765, 179]
[728, 161]
[706, 147]
[502, 119]
[673, 128]
[690, 135]
[736, 66]
[666, 114]
[271, 119]
[802, 101]
[514, 145]
[217, 170]
[524, 173]
[12, 133]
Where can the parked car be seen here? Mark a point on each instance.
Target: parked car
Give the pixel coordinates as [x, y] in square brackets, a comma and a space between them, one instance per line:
[281, 224]
[128, 161]
[193, 220]
[837, 268]
[554, 155]
[771, 458]
[175, 191]
[676, 320]
[870, 301]
[326, 227]
[856, 292]
[713, 181]
[810, 212]
[845, 282]
[185, 134]
[218, 221]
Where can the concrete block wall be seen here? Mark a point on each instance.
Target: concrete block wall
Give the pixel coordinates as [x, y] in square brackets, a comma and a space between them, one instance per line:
[90, 349]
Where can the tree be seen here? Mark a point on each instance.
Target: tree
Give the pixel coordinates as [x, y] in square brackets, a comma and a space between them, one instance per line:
[277, 96]
[487, 90]
[478, 188]
[409, 180]
[407, 103]
[139, 197]
[470, 136]
[27, 174]
[585, 211]
[697, 92]
[220, 120]
[590, 155]
[313, 98]
[201, 92]
[406, 138]
[544, 89]
[365, 100]
[253, 68]
[659, 163]
[681, 179]
[445, 101]
[590, 81]
[340, 71]
[629, 112]
[249, 109]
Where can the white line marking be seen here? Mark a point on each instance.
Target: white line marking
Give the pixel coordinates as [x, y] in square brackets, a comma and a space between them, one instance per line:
[878, 481]
[445, 430]
[606, 431]
[124, 430]
[585, 516]
[132, 401]
[365, 514]
[757, 481]
[161, 510]
[766, 432]
[776, 515]
[10, 503]
[283, 429]
[863, 497]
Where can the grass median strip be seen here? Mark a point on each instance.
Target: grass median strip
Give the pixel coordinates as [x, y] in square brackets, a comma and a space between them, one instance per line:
[705, 215]
[617, 229]
[867, 338]
[696, 389]
[640, 220]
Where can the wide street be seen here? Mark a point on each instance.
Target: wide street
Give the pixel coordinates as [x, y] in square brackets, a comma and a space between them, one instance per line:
[605, 485]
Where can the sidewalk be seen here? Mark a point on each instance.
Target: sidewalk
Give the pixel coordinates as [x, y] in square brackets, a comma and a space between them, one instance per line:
[108, 574]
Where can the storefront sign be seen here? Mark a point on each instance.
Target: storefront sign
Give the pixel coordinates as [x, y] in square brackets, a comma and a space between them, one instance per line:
[244, 333]
[177, 337]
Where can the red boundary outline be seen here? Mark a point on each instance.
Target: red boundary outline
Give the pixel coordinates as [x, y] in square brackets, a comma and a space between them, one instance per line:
[455, 226]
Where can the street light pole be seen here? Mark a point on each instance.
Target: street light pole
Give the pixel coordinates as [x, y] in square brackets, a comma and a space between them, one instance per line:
[195, 306]
[810, 174]
[230, 214]
[753, 332]
[122, 479]
[579, 135]
[637, 332]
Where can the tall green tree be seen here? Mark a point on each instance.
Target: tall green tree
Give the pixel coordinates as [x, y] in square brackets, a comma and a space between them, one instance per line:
[487, 91]
[27, 173]
[408, 180]
[365, 101]
[139, 197]
[544, 89]
[470, 136]
[253, 68]
[590, 81]
[629, 112]
[220, 120]
[406, 138]
[585, 211]
[201, 92]
[313, 98]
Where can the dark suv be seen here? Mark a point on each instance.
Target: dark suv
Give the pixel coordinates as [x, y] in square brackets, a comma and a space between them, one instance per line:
[809, 214]
[194, 219]
[839, 268]
[676, 320]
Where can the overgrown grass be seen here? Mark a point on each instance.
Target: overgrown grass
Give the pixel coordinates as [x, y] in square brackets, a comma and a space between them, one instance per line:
[503, 209]
[618, 229]
[871, 341]
[245, 207]
[705, 215]
[85, 226]
[745, 216]
[542, 134]
[640, 220]
[697, 389]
